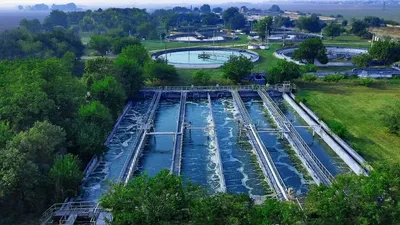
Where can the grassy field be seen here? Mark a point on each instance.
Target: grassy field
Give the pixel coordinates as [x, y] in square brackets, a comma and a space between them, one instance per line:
[348, 41]
[358, 109]
[152, 45]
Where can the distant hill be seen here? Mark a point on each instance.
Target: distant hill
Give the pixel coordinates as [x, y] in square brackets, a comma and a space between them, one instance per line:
[43, 7]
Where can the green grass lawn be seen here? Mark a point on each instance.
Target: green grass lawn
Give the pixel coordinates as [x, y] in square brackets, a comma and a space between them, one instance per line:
[152, 45]
[358, 109]
[348, 41]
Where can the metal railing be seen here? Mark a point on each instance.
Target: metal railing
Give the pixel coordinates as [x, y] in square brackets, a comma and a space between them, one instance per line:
[203, 88]
[141, 136]
[272, 175]
[314, 163]
[128, 160]
[66, 210]
[177, 153]
[223, 184]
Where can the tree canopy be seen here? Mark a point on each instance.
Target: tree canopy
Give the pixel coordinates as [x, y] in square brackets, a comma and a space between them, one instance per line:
[233, 18]
[262, 25]
[332, 30]
[237, 68]
[165, 199]
[283, 71]
[311, 49]
[311, 24]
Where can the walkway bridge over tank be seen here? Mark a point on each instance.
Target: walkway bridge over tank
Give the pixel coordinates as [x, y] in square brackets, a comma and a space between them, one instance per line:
[70, 212]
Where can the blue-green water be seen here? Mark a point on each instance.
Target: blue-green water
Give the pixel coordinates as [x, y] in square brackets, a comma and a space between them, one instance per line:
[157, 153]
[328, 158]
[120, 147]
[241, 170]
[215, 56]
[292, 177]
[199, 160]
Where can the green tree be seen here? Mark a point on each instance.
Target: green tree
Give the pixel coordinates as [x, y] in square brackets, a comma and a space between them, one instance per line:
[33, 26]
[137, 53]
[121, 43]
[5, 133]
[210, 19]
[92, 127]
[262, 26]
[66, 176]
[359, 28]
[19, 182]
[217, 10]
[222, 209]
[110, 93]
[332, 30]
[100, 43]
[160, 71]
[237, 67]
[162, 199]
[357, 199]
[362, 60]
[205, 8]
[202, 77]
[344, 23]
[56, 18]
[311, 24]
[40, 143]
[233, 19]
[283, 71]
[97, 69]
[311, 49]
[385, 52]
[273, 211]
[131, 75]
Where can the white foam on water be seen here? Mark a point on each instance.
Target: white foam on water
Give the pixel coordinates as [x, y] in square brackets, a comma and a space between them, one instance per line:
[212, 147]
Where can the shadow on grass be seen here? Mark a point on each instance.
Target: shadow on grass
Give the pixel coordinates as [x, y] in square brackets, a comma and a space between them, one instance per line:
[359, 143]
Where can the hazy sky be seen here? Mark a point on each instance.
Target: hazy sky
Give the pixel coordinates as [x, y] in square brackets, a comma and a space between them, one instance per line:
[112, 2]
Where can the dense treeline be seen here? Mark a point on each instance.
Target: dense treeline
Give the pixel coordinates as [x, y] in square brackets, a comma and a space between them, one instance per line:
[52, 122]
[20, 43]
[166, 199]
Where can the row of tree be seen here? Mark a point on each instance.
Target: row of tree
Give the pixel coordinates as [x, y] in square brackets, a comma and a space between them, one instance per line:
[167, 199]
[381, 53]
[52, 122]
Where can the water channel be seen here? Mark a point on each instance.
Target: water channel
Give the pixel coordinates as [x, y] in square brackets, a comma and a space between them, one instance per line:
[241, 170]
[119, 150]
[157, 153]
[287, 166]
[333, 163]
[199, 159]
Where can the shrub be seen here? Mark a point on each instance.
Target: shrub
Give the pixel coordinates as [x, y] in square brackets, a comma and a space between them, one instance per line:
[309, 77]
[366, 81]
[338, 128]
[391, 119]
[308, 68]
[333, 77]
[201, 77]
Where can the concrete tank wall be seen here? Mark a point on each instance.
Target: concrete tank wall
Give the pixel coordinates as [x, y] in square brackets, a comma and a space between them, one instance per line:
[329, 140]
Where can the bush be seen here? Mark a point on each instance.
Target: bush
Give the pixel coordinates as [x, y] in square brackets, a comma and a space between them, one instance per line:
[201, 77]
[309, 77]
[333, 78]
[308, 68]
[366, 81]
[391, 119]
[338, 128]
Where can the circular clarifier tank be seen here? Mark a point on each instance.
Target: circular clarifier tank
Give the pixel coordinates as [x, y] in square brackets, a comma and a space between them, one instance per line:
[202, 57]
